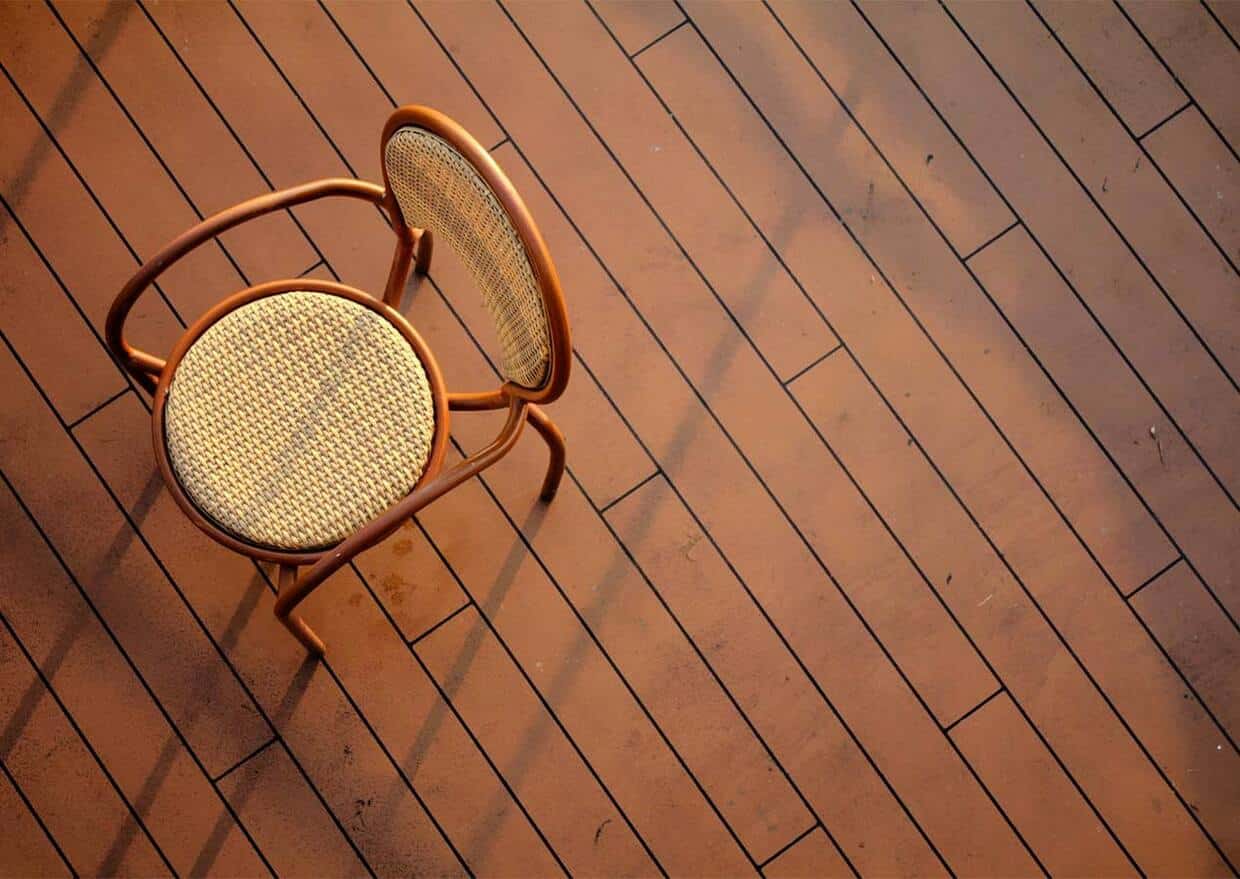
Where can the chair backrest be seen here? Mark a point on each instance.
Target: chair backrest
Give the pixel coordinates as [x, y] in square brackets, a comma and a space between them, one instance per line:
[443, 181]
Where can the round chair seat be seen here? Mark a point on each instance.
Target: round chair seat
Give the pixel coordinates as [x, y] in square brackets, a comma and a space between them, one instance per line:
[296, 418]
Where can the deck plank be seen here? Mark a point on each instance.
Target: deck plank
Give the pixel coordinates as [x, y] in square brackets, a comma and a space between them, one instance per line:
[1125, 70]
[1060, 826]
[138, 196]
[1054, 688]
[1201, 640]
[34, 308]
[95, 683]
[770, 684]
[95, 827]
[929, 299]
[814, 855]
[583, 825]
[1203, 171]
[1135, 430]
[1199, 55]
[1094, 660]
[288, 822]
[1059, 214]
[29, 851]
[194, 142]
[127, 587]
[1144, 208]
[940, 175]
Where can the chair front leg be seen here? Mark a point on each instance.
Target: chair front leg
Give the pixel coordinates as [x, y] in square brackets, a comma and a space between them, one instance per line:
[555, 446]
[293, 622]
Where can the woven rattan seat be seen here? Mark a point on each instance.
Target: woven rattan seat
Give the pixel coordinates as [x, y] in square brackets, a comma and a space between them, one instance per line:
[295, 419]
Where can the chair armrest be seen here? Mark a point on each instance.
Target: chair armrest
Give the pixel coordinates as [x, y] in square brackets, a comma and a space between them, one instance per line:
[144, 367]
[386, 522]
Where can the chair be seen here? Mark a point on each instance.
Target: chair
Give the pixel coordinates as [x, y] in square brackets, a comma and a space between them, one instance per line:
[301, 422]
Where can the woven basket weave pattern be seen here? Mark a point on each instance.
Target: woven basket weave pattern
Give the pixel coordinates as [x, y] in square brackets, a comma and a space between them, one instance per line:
[438, 189]
[297, 418]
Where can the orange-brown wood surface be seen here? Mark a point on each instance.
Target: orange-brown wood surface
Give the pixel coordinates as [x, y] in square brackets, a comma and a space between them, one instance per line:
[900, 532]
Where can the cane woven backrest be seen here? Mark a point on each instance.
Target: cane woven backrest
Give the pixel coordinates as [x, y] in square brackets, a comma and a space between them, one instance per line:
[439, 189]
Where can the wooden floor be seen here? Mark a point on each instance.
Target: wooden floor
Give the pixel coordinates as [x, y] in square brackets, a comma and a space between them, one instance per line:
[901, 533]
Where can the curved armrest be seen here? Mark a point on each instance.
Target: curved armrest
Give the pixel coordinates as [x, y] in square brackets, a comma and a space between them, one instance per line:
[145, 367]
[387, 521]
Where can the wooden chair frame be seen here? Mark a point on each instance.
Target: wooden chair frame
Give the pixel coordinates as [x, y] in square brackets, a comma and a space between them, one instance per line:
[413, 252]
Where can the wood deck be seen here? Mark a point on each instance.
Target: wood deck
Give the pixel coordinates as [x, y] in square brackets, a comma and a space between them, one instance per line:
[900, 535]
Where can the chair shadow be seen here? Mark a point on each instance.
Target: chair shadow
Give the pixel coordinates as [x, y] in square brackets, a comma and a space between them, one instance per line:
[173, 744]
[66, 100]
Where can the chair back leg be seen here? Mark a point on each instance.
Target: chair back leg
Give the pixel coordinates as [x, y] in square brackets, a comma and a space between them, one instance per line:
[555, 445]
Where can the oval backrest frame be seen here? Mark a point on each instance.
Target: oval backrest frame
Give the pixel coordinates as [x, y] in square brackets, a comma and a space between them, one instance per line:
[539, 260]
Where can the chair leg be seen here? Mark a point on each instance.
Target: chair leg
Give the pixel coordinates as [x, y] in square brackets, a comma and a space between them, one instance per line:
[555, 445]
[293, 622]
[426, 246]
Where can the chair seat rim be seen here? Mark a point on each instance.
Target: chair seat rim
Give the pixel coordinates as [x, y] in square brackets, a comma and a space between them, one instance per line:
[439, 400]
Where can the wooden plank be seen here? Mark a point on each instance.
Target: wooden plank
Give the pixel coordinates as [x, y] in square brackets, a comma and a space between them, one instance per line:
[97, 831]
[193, 142]
[274, 126]
[63, 222]
[138, 195]
[438, 756]
[771, 686]
[340, 93]
[1135, 197]
[638, 23]
[643, 639]
[933, 288]
[1058, 213]
[48, 333]
[1118, 61]
[764, 422]
[149, 762]
[683, 436]
[1201, 640]
[540, 763]
[1199, 54]
[941, 176]
[813, 855]
[776, 317]
[412, 582]
[130, 592]
[386, 34]
[573, 674]
[1033, 789]
[288, 821]
[1140, 437]
[28, 850]
[1054, 690]
[1203, 171]
[1228, 14]
[377, 729]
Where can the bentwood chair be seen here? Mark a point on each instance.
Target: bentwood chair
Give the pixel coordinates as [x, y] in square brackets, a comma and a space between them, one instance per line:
[300, 422]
